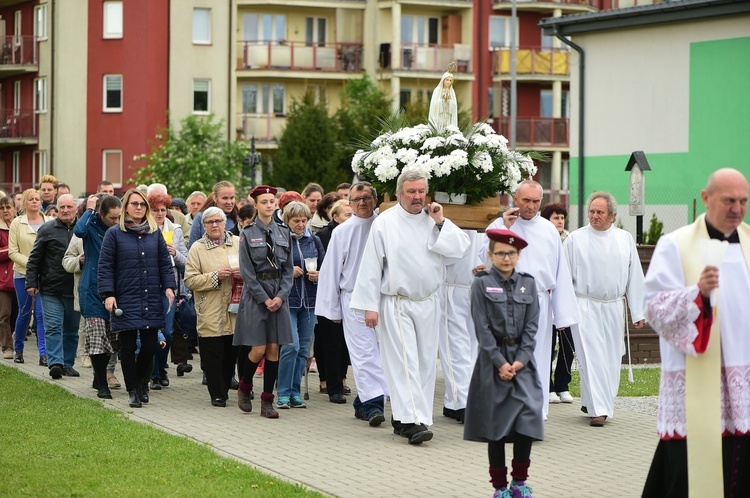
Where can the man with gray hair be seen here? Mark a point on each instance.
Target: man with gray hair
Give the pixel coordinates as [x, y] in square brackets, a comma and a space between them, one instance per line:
[544, 260]
[402, 269]
[605, 267]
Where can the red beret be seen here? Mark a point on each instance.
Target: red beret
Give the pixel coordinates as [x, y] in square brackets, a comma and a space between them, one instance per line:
[288, 197]
[262, 189]
[506, 237]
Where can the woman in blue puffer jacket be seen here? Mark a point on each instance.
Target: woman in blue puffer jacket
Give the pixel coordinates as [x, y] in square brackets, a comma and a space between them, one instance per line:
[91, 227]
[293, 357]
[134, 273]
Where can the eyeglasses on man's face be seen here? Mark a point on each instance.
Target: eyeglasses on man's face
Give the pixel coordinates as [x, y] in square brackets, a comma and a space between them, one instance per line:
[137, 204]
[366, 198]
[213, 222]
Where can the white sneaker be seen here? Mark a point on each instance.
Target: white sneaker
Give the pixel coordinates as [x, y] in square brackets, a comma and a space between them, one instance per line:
[565, 397]
[554, 398]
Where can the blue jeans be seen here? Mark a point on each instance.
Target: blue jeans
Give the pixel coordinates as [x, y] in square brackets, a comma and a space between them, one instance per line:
[61, 329]
[293, 357]
[160, 357]
[368, 408]
[25, 303]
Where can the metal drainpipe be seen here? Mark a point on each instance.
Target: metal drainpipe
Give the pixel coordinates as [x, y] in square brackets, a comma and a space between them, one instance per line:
[581, 117]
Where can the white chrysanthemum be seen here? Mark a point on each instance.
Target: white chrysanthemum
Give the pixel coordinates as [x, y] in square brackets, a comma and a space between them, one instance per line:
[460, 158]
[406, 156]
[483, 162]
[433, 143]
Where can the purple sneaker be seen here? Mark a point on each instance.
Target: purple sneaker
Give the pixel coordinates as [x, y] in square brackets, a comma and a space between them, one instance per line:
[502, 493]
[520, 489]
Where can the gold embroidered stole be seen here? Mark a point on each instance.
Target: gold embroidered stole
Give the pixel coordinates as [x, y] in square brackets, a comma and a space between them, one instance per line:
[703, 374]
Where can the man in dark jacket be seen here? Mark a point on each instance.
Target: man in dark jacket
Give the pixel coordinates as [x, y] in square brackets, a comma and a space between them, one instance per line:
[47, 280]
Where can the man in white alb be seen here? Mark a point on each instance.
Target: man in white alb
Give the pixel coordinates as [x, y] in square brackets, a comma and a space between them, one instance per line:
[544, 260]
[605, 267]
[335, 284]
[397, 287]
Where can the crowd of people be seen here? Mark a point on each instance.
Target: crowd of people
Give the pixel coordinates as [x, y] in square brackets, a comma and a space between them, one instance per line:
[279, 279]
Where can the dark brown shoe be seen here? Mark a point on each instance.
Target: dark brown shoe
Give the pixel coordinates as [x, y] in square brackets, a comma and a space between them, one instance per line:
[244, 401]
[598, 421]
[267, 410]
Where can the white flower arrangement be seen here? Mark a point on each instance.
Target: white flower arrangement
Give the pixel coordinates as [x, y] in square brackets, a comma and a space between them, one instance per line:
[477, 163]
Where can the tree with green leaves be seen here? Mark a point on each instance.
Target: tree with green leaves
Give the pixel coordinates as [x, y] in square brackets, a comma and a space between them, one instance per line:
[363, 106]
[308, 149]
[193, 157]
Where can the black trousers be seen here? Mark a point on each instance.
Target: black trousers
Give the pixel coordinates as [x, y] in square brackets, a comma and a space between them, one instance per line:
[218, 359]
[668, 475]
[560, 378]
[182, 349]
[136, 369]
[336, 354]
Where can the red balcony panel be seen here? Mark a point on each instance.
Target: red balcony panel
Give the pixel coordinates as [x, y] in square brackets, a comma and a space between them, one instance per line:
[18, 51]
[536, 132]
[15, 125]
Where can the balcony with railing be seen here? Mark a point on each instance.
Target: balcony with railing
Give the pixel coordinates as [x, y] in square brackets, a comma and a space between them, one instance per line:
[564, 5]
[536, 132]
[542, 61]
[434, 57]
[266, 128]
[18, 127]
[18, 54]
[300, 56]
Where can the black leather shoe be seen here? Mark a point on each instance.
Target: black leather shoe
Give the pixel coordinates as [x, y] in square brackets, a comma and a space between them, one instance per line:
[337, 398]
[347, 390]
[104, 393]
[416, 434]
[376, 419]
[218, 402]
[70, 372]
[56, 371]
[18, 358]
[235, 384]
[133, 399]
[155, 385]
[42, 361]
[164, 381]
[143, 393]
[460, 415]
[184, 368]
[447, 412]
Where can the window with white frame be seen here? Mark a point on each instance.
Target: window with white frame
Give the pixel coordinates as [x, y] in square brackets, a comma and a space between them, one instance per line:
[112, 19]
[17, 17]
[420, 30]
[17, 97]
[264, 28]
[500, 32]
[16, 167]
[201, 26]
[40, 22]
[263, 99]
[40, 167]
[546, 104]
[201, 96]
[112, 166]
[315, 31]
[112, 93]
[40, 95]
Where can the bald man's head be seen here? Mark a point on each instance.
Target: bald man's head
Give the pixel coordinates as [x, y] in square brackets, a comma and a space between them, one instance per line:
[725, 198]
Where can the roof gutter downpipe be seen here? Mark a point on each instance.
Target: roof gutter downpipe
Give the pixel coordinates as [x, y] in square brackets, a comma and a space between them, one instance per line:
[581, 117]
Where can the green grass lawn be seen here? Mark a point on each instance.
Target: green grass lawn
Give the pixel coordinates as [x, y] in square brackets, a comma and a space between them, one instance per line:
[56, 444]
[646, 383]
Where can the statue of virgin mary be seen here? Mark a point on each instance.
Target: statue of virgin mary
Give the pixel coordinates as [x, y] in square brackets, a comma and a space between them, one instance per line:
[443, 105]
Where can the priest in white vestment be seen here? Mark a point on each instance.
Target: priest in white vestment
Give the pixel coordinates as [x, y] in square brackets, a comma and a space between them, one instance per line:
[458, 343]
[397, 287]
[544, 260]
[679, 288]
[335, 285]
[605, 267]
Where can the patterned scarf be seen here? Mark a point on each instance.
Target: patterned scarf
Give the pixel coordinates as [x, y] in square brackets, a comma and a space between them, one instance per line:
[139, 228]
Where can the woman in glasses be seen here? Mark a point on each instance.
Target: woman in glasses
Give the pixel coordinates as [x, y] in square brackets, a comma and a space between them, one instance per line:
[134, 272]
[21, 239]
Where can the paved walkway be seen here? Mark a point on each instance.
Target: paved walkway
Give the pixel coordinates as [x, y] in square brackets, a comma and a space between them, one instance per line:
[325, 448]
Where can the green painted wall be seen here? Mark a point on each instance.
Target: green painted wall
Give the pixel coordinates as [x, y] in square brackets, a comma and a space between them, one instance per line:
[719, 132]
